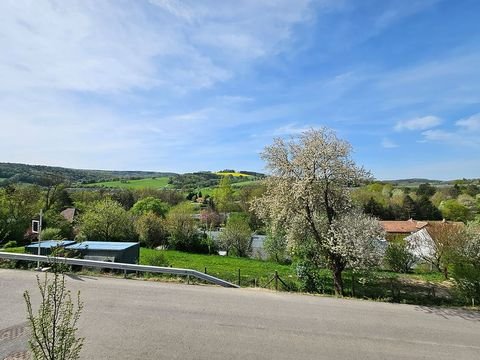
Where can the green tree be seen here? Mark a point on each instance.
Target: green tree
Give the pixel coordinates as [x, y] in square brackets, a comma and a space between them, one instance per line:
[150, 204]
[246, 195]
[223, 195]
[409, 207]
[236, 237]
[53, 219]
[398, 257]
[54, 326]
[425, 210]
[83, 199]
[426, 190]
[107, 220]
[18, 205]
[374, 208]
[466, 267]
[151, 230]
[276, 246]
[125, 197]
[453, 210]
[182, 228]
[53, 184]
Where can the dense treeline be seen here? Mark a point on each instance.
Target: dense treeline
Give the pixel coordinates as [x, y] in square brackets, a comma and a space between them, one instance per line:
[20, 203]
[458, 202]
[11, 173]
[204, 179]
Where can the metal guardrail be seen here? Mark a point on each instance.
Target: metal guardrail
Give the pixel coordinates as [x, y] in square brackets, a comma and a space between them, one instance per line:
[118, 266]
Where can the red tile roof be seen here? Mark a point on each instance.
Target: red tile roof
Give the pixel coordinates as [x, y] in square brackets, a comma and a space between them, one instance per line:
[69, 214]
[403, 226]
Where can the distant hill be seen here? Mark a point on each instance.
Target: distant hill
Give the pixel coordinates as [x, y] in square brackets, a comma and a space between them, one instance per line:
[417, 181]
[36, 174]
[414, 182]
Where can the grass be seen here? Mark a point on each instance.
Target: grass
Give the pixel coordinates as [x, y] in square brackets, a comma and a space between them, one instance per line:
[18, 250]
[245, 183]
[155, 183]
[226, 267]
[421, 288]
[235, 186]
[235, 174]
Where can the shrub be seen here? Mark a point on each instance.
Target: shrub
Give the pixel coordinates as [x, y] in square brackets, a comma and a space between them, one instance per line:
[81, 237]
[51, 234]
[466, 266]
[236, 237]
[182, 228]
[156, 258]
[276, 247]
[209, 244]
[467, 280]
[54, 326]
[398, 258]
[309, 276]
[151, 230]
[10, 244]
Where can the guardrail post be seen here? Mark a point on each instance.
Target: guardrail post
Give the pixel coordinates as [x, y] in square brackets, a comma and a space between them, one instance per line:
[276, 280]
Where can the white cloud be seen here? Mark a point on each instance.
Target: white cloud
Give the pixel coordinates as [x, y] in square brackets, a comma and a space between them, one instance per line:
[439, 135]
[419, 123]
[88, 83]
[455, 139]
[291, 129]
[388, 144]
[464, 134]
[108, 46]
[470, 124]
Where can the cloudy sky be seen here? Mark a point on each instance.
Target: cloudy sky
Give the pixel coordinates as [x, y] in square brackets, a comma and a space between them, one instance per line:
[204, 85]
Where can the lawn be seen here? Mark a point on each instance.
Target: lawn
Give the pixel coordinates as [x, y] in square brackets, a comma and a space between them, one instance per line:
[235, 174]
[155, 183]
[18, 250]
[413, 288]
[245, 183]
[226, 267]
[235, 186]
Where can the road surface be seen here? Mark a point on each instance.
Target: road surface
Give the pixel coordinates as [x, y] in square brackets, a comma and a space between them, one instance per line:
[132, 319]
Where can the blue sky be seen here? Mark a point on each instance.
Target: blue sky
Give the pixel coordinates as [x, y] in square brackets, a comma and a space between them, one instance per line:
[204, 85]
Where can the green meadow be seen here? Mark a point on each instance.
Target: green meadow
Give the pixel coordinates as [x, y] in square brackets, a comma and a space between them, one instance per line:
[235, 174]
[155, 183]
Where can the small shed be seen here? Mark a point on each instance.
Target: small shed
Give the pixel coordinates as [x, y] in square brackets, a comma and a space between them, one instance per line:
[122, 252]
[47, 246]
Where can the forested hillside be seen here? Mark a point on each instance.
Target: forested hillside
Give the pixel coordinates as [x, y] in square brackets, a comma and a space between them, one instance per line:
[36, 174]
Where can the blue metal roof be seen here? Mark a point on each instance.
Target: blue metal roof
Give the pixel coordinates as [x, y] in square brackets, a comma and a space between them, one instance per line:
[48, 244]
[102, 245]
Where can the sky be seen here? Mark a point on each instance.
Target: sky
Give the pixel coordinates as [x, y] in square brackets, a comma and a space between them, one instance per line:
[183, 86]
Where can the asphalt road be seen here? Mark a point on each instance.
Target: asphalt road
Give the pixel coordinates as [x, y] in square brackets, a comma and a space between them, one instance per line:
[132, 319]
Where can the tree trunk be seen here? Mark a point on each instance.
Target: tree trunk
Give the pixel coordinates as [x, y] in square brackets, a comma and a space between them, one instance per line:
[337, 269]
